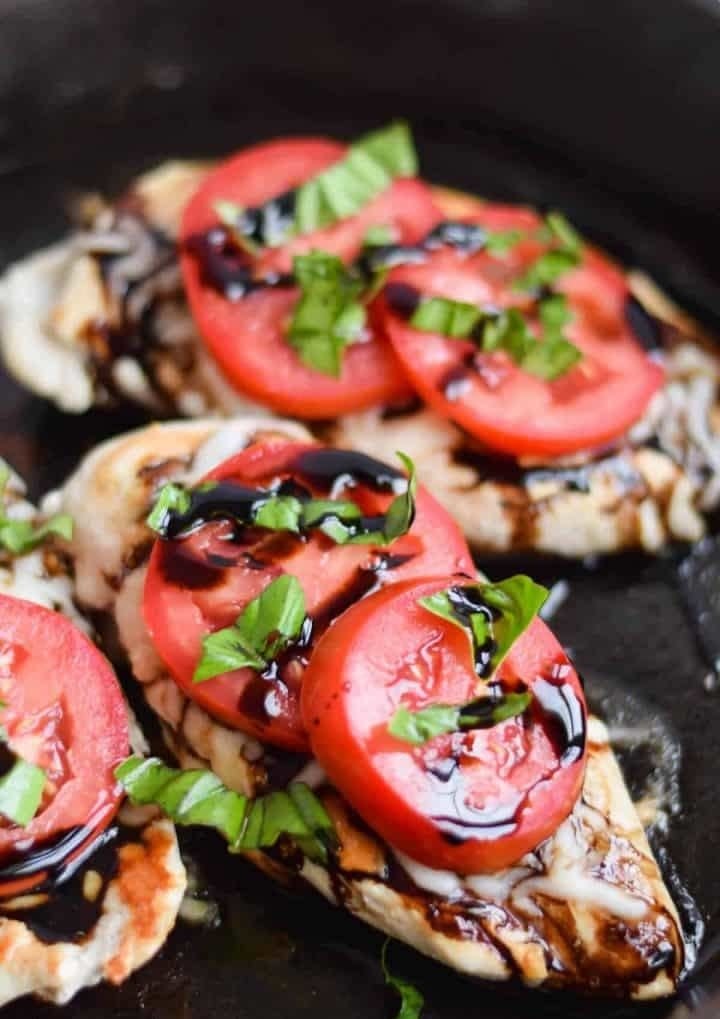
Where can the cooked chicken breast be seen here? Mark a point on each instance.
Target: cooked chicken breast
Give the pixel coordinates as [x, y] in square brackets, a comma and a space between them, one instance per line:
[587, 909]
[105, 316]
[103, 923]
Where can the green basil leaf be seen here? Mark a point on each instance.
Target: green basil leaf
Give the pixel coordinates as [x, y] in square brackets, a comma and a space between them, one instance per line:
[275, 618]
[344, 188]
[564, 232]
[279, 513]
[198, 797]
[418, 727]
[508, 331]
[554, 314]
[171, 499]
[502, 241]
[328, 316]
[551, 358]
[401, 512]
[265, 627]
[379, 235]
[547, 269]
[411, 1000]
[515, 600]
[455, 319]
[224, 651]
[314, 511]
[21, 536]
[21, 791]
[518, 600]
[512, 705]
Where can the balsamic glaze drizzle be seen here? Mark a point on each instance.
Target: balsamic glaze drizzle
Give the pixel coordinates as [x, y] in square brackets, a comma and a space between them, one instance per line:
[330, 470]
[227, 268]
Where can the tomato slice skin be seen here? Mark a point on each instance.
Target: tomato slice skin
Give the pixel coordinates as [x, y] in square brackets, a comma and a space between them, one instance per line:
[492, 398]
[179, 615]
[65, 712]
[388, 651]
[247, 337]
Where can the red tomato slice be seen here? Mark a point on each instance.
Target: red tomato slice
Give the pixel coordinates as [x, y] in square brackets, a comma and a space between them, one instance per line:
[201, 583]
[247, 337]
[468, 802]
[64, 712]
[487, 394]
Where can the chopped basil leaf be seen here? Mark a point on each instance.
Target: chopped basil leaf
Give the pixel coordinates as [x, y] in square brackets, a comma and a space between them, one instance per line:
[198, 797]
[455, 319]
[502, 241]
[551, 358]
[513, 604]
[518, 600]
[411, 1000]
[564, 232]
[508, 330]
[547, 269]
[21, 536]
[493, 616]
[379, 235]
[279, 513]
[344, 188]
[417, 727]
[401, 512]
[171, 499]
[315, 511]
[21, 791]
[328, 316]
[265, 627]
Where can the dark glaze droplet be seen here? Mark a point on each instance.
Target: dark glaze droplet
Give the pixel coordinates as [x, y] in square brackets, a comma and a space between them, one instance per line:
[561, 705]
[402, 299]
[326, 468]
[647, 328]
[227, 269]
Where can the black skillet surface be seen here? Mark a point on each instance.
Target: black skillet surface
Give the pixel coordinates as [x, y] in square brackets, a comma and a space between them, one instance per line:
[610, 111]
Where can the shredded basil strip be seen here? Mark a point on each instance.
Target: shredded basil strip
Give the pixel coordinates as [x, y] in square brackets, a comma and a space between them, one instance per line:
[341, 520]
[418, 727]
[411, 1000]
[370, 166]
[493, 617]
[21, 790]
[198, 797]
[328, 316]
[548, 357]
[550, 266]
[21, 536]
[266, 626]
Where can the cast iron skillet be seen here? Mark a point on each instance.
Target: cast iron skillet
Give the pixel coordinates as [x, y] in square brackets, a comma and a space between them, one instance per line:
[609, 111]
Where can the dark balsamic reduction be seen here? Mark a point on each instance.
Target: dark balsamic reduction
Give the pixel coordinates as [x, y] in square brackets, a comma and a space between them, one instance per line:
[402, 299]
[647, 328]
[467, 602]
[561, 705]
[326, 468]
[67, 915]
[228, 269]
